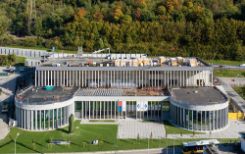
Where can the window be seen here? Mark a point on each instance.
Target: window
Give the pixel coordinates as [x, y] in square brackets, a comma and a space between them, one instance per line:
[200, 82]
[78, 106]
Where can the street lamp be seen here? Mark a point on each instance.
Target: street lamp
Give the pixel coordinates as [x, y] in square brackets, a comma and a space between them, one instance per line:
[17, 135]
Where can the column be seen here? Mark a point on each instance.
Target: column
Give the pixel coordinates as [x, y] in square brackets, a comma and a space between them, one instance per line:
[36, 78]
[53, 119]
[35, 119]
[100, 109]
[44, 119]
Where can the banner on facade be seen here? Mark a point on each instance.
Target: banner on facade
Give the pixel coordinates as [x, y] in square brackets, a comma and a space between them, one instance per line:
[121, 106]
[142, 106]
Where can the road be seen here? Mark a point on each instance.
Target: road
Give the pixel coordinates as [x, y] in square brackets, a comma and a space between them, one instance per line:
[175, 150]
[229, 67]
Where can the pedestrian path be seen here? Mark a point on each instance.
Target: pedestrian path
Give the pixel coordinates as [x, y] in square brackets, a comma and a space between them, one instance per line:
[234, 130]
[4, 129]
[234, 96]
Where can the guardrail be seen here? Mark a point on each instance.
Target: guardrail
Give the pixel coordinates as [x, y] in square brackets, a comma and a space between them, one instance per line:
[29, 53]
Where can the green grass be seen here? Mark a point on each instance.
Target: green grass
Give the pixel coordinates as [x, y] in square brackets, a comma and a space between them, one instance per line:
[229, 73]
[43, 48]
[30, 142]
[171, 129]
[19, 60]
[240, 91]
[101, 120]
[225, 62]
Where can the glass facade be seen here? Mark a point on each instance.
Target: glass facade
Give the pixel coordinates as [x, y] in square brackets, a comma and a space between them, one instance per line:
[199, 120]
[109, 110]
[43, 119]
[123, 77]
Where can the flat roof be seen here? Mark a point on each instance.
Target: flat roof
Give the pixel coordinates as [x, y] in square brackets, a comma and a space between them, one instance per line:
[6, 76]
[120, 92]
[198, 95]
[39, 95]
[5, 94]
[79, 61]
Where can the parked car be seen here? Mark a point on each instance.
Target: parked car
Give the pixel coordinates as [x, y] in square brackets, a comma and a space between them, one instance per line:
[242, 65]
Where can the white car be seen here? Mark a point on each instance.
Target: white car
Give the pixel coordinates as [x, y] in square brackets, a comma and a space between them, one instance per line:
[242, 65]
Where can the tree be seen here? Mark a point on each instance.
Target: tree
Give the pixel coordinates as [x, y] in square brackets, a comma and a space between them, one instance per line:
[4, 23]
[117, 13]
[71, 123]
[161, 10]
[11, 59]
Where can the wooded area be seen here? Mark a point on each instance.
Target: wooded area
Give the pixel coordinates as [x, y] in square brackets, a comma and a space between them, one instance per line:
[210, 29]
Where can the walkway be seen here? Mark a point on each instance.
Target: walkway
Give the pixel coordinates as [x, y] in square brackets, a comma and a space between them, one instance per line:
[175, 150]
[234, 130]
[234, 96]
[233, 81]
[4, 129]
[128, 129]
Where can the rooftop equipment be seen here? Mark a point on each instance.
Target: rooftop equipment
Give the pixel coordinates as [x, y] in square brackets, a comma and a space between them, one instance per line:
[193, 62]
[49, 88]
[173, 62]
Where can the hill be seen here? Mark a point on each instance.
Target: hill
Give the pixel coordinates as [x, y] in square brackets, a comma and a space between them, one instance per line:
[210, 29]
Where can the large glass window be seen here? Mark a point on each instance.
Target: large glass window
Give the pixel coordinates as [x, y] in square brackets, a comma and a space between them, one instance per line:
[78, 106]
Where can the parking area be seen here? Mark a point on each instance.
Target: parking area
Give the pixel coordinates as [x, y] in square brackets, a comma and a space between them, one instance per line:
[132, 129]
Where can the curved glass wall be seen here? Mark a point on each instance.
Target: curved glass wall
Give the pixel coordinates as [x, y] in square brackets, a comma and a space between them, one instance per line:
[43, 119]
[199, 120]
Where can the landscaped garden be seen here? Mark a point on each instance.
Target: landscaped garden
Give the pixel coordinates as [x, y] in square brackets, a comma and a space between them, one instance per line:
[81, 138]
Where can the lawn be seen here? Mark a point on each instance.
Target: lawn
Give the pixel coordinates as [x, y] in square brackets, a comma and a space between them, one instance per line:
[229, 73]
[30, 142]
[240, 91]
[19, 60]
[225, 62]
[171, 129]
[102, 121]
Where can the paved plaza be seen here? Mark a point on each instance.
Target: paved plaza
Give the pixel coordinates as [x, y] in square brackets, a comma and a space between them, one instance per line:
[133, 128]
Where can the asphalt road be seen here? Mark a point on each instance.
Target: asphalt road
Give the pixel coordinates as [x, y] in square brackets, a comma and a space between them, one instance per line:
[229, 67]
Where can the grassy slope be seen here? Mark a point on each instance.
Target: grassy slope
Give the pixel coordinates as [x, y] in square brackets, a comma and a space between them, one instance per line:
[229, 73]
[240, 91]
[20, 60]
[225, 62]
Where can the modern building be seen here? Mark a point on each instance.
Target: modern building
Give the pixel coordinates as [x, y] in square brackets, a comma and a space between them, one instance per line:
[106, 86]
[199, 108]
[137, 73]
[242, 139]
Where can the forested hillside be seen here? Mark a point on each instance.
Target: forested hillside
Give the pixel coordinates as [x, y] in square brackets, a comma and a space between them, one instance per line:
[211, 29]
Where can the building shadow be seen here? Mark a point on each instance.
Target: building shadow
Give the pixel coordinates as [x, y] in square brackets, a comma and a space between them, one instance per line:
[23, 145]
[63, 130]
